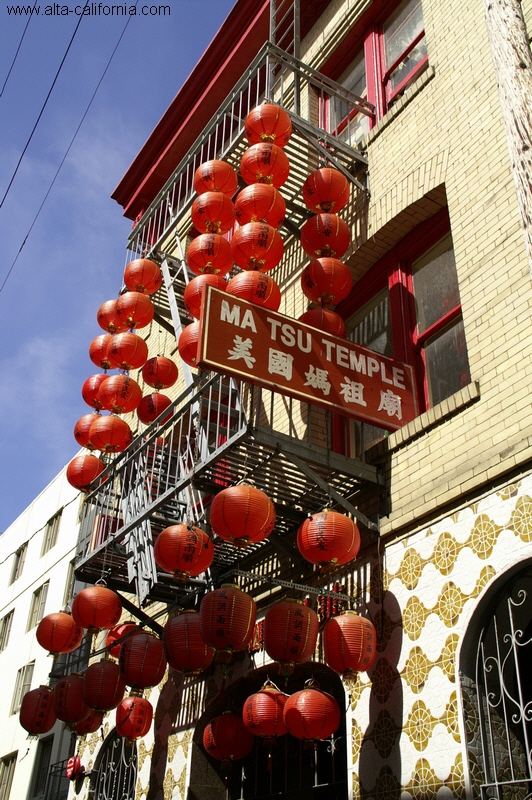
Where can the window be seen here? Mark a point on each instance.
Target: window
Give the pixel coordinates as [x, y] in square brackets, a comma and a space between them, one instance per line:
[69, 584]
[5, 629]
[38, 602]
[42, 765]
[7, 770]
[22, 685]
[18, 563]
[50, 532]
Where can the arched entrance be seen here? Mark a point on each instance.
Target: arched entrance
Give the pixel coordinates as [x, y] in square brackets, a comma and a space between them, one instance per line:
[114, 776]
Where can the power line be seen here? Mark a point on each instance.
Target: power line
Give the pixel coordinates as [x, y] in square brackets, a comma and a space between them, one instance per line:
[18, 48]
[67, 151]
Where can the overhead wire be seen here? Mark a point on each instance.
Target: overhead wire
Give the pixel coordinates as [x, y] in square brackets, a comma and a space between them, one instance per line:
[18, 49]
[67, 150]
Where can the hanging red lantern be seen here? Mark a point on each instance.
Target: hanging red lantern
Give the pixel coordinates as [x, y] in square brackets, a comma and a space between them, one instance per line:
[311, 714]
[143, 275]
[325, 235]
[99, 350]
[103, 686]
[262, 713]
[183, 551]
[188, 344]
[117, 632]
[256, 287]
[324, 320]
[109, 319]
[265, 163]
[194, 291]
[328, 538]
[83, 470]
[134, 716]
[37, 713]
[82, 431]
[59, 633]
[185, 649]
[90, 724]
[160, 372]
[69, 705]
[120, 394]
[91, 388]
[127, 351]
[242, 514]
[142, 661]
[326, 281]
[151, 406]
[326, 190]
[136, 308]
[260, 202]
[257, 246]
[226, 738]
[216, 176]
[212, 212]
[110, 434]
[227, 618]
[349, 643]
[96, 607]
[209, 253]
[290, 634]
[268, 123]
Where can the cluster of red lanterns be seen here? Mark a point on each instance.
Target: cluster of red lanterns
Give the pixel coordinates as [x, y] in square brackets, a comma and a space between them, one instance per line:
[121, 348]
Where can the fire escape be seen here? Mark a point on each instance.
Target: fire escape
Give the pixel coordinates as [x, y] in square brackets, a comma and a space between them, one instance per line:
[222, 431]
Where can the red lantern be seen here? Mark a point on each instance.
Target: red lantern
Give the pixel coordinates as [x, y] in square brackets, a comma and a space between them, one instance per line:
[242, 514]
[110, 434]
[142, 661]
[326, 281]
[143, 275]
[136, 308]
[90, 724]
[324, 320]
[184, 551]
[216, 176]
[37, 713]
[257, 246]
[328, 538]
[260, 202]
[91, 388]
[83, 470]
[118, 632]
[256, 287]
[151, 406]
[349, 643]
[120, 394]
[59, 633]
[82, 431]
[134, 716]
[326, 190]
[103, 686]
[99, 350]
[96, 607]
[160, 372]
[69, 705]
[226, 738]
[311, 714]
[194, 291]
[263, 712]
[290, 634]
[265, 163]
[212, 212]
[325, 235]
[185, 649]
[188, 344]
[227, 618]
[268, 123]
[127, 351]
[109, 318]
[209, 253]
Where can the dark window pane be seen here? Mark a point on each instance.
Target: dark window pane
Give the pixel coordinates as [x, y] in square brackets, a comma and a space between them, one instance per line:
[435, 284]
[446, 362]
[399, 33]
[371, 327]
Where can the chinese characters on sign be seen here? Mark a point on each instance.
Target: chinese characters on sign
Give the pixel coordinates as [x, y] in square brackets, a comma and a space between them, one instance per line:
[274, 351]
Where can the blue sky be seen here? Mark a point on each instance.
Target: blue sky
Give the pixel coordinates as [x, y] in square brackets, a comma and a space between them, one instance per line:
[74, 257]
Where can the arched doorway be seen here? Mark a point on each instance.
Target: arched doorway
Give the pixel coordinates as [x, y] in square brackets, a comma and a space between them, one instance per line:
[114, 776]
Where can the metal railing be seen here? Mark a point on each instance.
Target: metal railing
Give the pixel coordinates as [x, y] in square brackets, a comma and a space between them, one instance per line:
[57, 783]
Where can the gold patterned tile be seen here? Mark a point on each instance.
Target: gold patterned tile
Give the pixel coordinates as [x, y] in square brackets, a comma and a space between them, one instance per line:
[484, 536]
[445, 553]
[384, 734]
[385, 626]
[447, 660]
[521, 519]
[383, 680]
[424, 784]
[509, 491]
[450, 717]
[450, 604]
[416, 669]
[456, 779]
[411, 568]
[387, 787]
[414, 616]
[182, 782]
[169, 783]
[357, 736]
[420, 725]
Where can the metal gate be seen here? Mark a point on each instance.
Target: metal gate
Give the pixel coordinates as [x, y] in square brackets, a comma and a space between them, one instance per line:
[115, 773]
